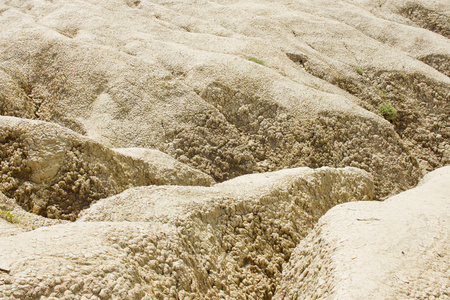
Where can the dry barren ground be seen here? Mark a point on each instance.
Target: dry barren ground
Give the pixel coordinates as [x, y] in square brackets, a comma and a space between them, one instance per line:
[169, 149]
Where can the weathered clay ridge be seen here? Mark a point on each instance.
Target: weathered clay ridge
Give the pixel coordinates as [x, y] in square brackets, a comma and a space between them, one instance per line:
[428, 18]
[182, 149]
[52, 171]
[395, 249]
[229, 240]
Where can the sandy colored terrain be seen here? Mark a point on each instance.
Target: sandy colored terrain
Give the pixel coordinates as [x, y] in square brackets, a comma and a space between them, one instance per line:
[237, 87]
[397, 249]
[225, 241]
[184, 149]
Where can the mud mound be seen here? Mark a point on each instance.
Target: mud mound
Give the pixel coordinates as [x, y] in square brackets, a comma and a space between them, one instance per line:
[423, 107]
[166, 169]
[226, 88]
[229, 240]
[186, 80]
[54, 172]
[427, 18]
[394, 249]
[15, 219]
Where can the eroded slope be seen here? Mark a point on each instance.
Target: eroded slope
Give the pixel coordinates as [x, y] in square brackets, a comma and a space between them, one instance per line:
[184, 78]
[229, 240]
[54, 172]
[396, 249]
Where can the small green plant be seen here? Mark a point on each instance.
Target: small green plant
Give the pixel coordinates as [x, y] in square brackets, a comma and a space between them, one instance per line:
[256, 60]
[359, 70]
[387, 111]
[8, 216]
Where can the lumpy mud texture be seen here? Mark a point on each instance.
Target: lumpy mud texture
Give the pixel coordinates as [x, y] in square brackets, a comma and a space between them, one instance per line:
[309, 270]
[422, 106]
[13, 98]
[77, 184]
[396, 249]
[439, 62]
[243, 133]
[193, 93]
[226, 241]
[428, 19]
[13, 156]
[255, 136]
[54, 172]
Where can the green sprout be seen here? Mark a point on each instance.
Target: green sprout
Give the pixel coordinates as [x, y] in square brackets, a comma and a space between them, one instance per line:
[387, 111]
[256, 60]
[8, 216]
[359, 70]
[381, 92]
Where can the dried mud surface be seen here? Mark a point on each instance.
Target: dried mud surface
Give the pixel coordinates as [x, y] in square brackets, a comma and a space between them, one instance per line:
[427, 18]
[162, 149]
[229, 240]
[394, 249]
[422, 106]
[56, 173]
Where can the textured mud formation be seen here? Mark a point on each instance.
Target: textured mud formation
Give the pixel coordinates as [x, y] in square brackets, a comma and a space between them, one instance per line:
[40, 85]
[76, 184]
[309, 270]
[16, 220]
[423, 108]
[345, 256]
[428, 19]
[228, 88]
[158, 98]
[243, 134]
[54, 172]
[229, 240]
[165, 169]
[439, 62]
[268, 137]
